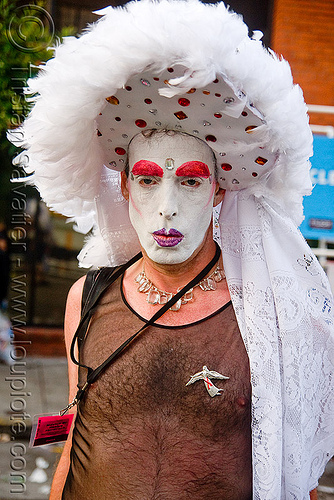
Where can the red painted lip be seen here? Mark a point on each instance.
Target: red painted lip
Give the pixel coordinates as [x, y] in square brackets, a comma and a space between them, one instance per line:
[166, 238]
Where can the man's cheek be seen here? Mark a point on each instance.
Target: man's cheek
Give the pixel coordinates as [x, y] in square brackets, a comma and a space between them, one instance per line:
[142, 197]
[134, 204]
[142, 219]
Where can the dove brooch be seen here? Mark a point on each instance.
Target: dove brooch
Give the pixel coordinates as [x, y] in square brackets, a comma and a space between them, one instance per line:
[206, 375]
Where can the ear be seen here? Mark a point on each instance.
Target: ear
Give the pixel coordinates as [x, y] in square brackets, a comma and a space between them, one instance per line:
[219, 196]
[124, 186]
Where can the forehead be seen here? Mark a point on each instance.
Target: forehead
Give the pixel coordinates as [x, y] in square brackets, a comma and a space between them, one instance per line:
[182, 148]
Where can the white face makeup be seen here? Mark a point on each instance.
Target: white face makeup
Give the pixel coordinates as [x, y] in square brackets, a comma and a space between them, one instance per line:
[171, 191]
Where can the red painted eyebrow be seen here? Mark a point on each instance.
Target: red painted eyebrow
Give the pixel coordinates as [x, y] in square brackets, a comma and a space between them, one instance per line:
[145, 167]
[193, 169]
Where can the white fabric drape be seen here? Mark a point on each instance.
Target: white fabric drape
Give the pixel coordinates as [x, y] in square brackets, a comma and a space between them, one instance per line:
[284, 307]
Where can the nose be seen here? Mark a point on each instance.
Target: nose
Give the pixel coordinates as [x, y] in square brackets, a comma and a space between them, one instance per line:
[167, 214]
[168, 204]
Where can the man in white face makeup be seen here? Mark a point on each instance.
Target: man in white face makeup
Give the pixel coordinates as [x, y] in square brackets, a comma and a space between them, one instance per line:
[200, 354]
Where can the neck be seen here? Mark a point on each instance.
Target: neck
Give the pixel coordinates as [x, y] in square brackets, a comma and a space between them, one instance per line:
[170, 277]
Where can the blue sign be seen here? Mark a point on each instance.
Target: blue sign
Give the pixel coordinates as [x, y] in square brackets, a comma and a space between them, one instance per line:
[319, 207]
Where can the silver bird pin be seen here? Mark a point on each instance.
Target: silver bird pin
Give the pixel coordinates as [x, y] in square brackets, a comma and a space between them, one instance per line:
[206, 375]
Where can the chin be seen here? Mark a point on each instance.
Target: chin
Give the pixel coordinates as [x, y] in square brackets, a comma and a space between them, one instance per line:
[171, 255]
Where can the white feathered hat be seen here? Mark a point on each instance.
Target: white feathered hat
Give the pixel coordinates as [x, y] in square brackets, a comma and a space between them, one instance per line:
[178, 64]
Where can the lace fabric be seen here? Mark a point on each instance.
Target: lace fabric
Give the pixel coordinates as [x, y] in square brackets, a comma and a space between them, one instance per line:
[284, 307]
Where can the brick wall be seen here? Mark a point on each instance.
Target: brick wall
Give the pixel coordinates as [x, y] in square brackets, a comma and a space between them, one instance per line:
[303, 32]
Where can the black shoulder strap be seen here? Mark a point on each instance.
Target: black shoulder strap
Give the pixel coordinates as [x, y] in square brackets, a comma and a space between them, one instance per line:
[97, 284]
[95, 281]
[90, 278]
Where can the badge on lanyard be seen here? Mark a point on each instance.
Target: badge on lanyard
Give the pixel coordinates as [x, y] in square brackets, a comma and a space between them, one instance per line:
[50, 428]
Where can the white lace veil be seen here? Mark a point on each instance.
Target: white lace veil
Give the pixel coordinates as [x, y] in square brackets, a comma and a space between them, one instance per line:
[284, 308]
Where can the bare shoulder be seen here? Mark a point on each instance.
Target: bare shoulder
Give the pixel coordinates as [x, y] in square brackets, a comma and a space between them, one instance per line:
[72, 319]
[75, 292]
[73, 307]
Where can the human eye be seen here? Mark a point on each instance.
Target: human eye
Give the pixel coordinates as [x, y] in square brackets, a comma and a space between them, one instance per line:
[191, 182]
[147, 181]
